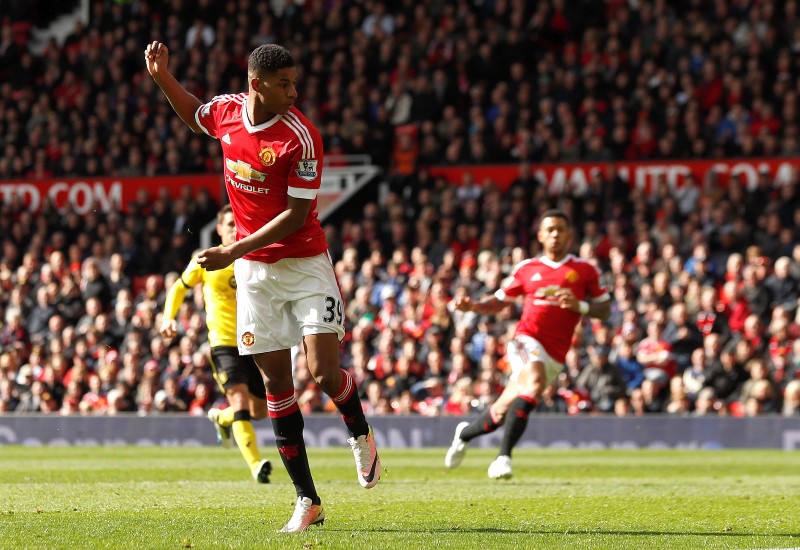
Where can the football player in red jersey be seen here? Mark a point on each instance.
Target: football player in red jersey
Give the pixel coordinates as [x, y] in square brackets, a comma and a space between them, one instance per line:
[287, 292]
[558, 289]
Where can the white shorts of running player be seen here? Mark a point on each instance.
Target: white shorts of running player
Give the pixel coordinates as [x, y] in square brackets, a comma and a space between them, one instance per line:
[278, 304]
[524, 350]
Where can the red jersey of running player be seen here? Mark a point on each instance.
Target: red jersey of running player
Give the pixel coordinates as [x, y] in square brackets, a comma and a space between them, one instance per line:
[539, 279]
[264, 165]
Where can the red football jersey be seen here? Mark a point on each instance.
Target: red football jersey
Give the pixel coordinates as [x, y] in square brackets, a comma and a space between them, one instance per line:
[539, 279]
[264, 165]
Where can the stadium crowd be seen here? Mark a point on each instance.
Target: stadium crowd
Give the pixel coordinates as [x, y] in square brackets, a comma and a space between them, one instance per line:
[704, 280]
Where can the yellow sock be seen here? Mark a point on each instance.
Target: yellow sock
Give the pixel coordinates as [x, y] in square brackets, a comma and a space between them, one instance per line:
[245, 437]
[225, 417]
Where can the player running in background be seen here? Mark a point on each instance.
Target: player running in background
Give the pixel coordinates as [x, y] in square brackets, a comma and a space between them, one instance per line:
[236, 374]
[558, 289]
[287, 289]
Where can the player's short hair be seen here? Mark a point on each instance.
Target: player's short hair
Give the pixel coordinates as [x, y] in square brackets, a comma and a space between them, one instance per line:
[556, 213]
[268, 58]
[222, 211]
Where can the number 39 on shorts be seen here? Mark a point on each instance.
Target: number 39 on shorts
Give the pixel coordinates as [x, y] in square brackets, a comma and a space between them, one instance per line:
[334, 310]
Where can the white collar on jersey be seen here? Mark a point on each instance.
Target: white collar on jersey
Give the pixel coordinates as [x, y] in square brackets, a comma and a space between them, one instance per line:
[554, 265]
[249, 125]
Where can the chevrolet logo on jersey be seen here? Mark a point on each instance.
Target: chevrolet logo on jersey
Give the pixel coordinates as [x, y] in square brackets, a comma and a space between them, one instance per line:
[547, 291]
[243, 171]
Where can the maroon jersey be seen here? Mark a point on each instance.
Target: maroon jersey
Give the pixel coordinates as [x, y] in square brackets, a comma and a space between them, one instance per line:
[539, 279]
[264, 165]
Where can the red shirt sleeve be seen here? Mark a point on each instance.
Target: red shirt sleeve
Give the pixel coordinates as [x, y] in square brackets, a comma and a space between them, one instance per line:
[594, 286]
[206, 115]
[305, 170]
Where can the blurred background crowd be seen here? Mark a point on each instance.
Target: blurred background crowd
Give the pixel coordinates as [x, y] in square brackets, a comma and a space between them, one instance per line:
[704, 280]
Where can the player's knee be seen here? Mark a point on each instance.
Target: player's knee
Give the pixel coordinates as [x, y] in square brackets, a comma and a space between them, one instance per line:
[258, 407]
[238, 397]
[276, 383]
[537, 382]
[329, 380]
[498, 411]
[537, 388]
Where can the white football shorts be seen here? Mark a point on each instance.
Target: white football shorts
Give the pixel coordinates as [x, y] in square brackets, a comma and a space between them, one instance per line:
[523, 350]
[278, 304]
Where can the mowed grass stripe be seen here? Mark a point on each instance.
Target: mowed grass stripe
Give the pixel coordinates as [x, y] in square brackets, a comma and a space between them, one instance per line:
[122, 497]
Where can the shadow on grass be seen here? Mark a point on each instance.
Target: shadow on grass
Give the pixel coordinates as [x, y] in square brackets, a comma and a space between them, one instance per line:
[571, 532]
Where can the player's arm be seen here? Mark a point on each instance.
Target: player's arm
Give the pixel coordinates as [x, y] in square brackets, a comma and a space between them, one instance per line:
[510, 289]
[488, 305]
[600, 309]
[596, 309]
[175, 297]
[280, 227]
[156, 56]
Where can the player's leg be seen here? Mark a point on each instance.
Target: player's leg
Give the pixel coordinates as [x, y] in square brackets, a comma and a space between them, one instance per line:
[516, 419]
[322, 353]
[245, 435]
[487, 422]
[287, 421]
[222, 360]
[254, 397]
[239, 377]
[319, 308]
[492, 418]
[267, 330]
[287, 424]
[531, 381]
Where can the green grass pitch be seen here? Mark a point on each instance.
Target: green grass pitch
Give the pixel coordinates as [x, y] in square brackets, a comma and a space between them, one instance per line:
[126, 497]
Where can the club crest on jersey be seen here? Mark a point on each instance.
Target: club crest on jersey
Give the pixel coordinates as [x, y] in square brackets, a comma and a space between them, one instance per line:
[307, 170]
[267, 156]
[572, 276]
[248, 339]
[243, 171]
[232, 282]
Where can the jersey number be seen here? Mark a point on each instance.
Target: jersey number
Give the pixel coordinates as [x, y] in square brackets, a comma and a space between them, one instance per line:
[333, 310]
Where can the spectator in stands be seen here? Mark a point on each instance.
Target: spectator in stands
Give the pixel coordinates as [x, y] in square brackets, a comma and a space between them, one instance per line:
[14, 332]
[94, 284]
[602, 379]
[655, 394]
[631, 370]
[654, 353]
[758, 372]
[726, 376]
[791, 399]
[757, 295]
[169, 399]
[41, 313]
[782, 285]
[710, 318]
[682, 336]
[707, 403]
[679, 402]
